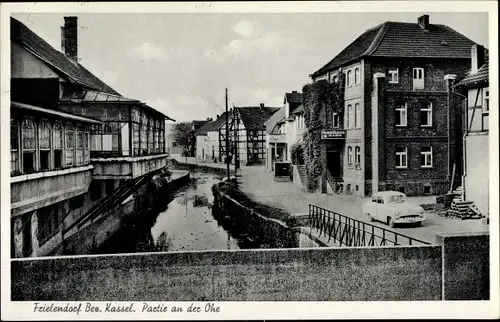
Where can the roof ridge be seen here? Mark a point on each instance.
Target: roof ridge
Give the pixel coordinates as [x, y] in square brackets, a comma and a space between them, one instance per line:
[21, 28]
[350, 44]
[377, 39]
[453, 30]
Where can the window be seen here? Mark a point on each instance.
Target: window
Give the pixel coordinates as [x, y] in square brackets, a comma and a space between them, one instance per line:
[79, 145]
[143, 140]
[44, 144]
[162, 141]
[135, 138]
[150, 136]
[300, 121]
[426, 114]
[96, 137]
[58, 145]
[28, 134]
[486, 100]
[70, 144]
[110, 136]
[156, 140]
[86, 142]
[357, 78]
[393, 75]
[357, 154]
[349, 116]
[418, 78]
[426, 157]
[357, 116]
[349, 155]
[14, 146]
[349, 79]
[401, 157]
[336, 120]
[401, 114]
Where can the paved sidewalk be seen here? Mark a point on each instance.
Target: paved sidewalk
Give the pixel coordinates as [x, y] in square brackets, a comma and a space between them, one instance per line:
[260, 186]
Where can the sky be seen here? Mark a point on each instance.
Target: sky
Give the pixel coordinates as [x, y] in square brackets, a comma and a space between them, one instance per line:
[180, 64]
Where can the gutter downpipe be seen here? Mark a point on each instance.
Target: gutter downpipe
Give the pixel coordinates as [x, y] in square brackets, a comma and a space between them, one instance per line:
[464, 141]
[464, 152]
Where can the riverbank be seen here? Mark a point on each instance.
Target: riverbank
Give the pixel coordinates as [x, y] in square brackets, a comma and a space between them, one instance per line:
[261, 225]
[117, 210]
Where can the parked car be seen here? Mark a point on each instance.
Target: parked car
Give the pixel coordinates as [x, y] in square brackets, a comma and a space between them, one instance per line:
[392, 207]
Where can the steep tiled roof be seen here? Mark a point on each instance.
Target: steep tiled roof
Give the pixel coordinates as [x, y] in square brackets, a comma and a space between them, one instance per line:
[75, 72]
[255, 117]
[276, 118]
[293, 97]
[197, 123]
[401, 39]
[212, 125]
[480, 77]
[352, 52]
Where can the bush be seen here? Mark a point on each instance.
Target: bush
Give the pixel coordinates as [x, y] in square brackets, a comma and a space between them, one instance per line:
[319, 96]
[297, 152]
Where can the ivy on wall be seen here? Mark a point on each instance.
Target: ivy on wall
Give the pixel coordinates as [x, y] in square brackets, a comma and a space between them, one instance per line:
[320, 100]
[297, 152]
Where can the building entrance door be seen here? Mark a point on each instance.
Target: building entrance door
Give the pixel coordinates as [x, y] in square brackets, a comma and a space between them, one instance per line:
[334, 164]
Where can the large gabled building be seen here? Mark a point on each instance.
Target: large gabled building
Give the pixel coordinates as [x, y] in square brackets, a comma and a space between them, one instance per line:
[74, 139]
[396, 131]
[246, 138]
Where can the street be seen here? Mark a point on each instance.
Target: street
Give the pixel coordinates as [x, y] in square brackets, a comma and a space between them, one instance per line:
[260, 186]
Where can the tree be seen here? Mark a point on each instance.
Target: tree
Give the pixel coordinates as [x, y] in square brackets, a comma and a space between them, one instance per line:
[184, 136]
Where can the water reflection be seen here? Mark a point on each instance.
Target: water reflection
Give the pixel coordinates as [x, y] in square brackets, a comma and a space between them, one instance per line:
[183, 222]
[187, 223]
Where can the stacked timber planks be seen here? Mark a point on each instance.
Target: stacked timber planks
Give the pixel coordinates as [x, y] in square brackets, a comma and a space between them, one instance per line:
[463, 210]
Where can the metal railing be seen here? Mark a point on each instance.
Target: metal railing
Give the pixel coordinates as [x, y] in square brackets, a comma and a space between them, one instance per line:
[347, 231]
[109, 202]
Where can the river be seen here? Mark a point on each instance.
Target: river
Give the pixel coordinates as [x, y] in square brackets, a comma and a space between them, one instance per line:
[185, 225]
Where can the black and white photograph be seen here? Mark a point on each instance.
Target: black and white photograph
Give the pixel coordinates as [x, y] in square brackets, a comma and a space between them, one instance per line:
[184, 160]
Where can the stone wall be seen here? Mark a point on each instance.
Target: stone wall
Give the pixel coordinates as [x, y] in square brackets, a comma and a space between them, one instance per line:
[457, 268]
[315, 274]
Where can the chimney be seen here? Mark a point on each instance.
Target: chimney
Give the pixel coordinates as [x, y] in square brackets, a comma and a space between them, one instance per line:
[261, 105]
[217, 116]
[70, 38]
[477, 57]
[423, 22]
[449, 80]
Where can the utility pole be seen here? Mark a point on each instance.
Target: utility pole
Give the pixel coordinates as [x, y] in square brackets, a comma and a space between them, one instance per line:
[227, 140]
[236, 134]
